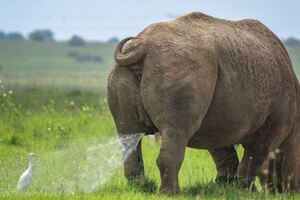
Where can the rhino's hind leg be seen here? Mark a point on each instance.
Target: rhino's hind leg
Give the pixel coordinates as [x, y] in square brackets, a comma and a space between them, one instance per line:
[249, 167]
[268, 178]
[170, 159]
[284, 168]
[267, 139]
[254, 161]
[226, 161]
[288, 164]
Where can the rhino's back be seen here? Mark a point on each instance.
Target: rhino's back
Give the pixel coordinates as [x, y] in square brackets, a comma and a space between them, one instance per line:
[251, 59]
[247, 52]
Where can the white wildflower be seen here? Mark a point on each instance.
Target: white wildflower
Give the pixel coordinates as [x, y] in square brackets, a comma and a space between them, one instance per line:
[85, 108]
[4, 94]
[72, 103]
[10, 92]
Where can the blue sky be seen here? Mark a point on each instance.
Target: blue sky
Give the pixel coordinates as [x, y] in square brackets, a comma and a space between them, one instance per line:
[102, 19]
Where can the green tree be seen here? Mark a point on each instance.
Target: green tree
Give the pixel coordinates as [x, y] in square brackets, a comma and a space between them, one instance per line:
[292, 42]
[76, 41]
[2, 35]
[12, 36]
[15, 36]
[42, 35]
[113, 40]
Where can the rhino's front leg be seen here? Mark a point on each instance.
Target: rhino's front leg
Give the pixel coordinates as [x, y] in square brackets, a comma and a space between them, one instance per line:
[170, 159]
[227, 162]
[134, 166]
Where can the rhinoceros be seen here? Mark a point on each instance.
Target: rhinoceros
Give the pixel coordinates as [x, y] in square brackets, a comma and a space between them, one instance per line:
[209, 83]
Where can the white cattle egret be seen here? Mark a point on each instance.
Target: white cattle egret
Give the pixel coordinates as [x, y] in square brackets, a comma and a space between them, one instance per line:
[26, 177]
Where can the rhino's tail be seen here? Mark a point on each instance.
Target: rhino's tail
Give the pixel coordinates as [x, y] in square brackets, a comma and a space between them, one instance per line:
[131, 57]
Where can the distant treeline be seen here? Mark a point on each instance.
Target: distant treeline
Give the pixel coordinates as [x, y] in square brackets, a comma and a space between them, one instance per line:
[292, 42]
[41, 35]
[45, 35]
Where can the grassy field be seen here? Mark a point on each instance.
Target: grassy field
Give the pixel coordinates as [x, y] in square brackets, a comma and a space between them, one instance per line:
[55, 105]
[42, 64]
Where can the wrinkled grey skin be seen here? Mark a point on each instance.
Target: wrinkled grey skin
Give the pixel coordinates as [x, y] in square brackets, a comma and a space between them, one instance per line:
[208, 83]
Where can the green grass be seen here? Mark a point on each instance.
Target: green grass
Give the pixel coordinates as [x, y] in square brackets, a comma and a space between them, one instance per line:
[22, 133]
[29, 132]
[57, 107]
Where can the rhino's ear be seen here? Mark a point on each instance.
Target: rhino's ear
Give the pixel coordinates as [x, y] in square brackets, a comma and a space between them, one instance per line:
[129, 52]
